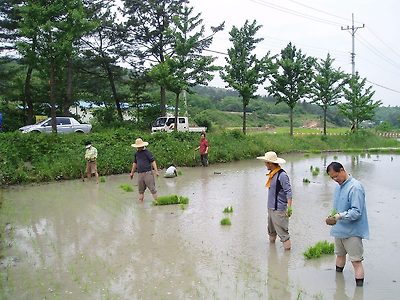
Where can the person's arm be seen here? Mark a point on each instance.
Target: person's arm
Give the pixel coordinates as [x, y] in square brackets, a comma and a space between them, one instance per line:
[95, 154]
[154, 166]
[133, 169]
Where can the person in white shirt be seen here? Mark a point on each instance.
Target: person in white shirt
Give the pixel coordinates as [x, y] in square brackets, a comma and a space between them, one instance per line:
[171, 172]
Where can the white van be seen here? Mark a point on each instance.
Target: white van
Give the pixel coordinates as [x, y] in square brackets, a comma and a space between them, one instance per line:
[167, 124]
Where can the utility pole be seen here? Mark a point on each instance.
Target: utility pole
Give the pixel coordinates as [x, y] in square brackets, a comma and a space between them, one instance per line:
[352, 30]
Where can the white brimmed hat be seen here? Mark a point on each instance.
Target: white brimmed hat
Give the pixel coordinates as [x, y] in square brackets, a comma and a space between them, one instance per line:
[139, 143]
[272, 157]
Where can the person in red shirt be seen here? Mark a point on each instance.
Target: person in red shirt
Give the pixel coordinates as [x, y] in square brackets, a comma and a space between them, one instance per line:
[203, 150]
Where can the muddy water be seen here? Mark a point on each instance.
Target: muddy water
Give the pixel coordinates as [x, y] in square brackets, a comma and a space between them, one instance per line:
[79, 240]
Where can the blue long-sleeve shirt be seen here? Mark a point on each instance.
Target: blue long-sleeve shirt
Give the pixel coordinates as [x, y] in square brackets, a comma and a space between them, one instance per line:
[349, 202]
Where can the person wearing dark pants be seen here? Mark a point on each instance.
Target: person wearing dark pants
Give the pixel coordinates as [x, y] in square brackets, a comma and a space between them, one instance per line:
[203, 150]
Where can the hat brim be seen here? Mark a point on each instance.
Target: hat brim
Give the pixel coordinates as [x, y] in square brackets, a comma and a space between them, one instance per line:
[140, 145]
[88, 146]
[277, 161]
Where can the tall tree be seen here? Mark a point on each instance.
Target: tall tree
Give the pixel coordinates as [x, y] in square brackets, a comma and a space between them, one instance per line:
[51, 28]
[10, 36]
[243, 71]
[327, 85]
[359, 106]
[290, 80]
[147, 23]
[102, 47]
[189, 66]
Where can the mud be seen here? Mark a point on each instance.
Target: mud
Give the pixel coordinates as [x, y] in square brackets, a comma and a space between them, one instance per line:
[82, 240]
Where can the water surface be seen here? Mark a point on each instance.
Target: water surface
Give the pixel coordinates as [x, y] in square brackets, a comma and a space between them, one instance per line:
[79, 240]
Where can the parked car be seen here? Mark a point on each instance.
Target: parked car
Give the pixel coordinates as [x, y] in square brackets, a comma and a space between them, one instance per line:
[64, 125]
[167, 124]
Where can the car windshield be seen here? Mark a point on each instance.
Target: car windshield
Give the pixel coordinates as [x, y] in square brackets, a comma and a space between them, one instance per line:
[159, 122]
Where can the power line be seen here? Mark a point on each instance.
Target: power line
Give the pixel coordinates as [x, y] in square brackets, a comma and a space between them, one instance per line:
[377, 52]
[384, 87]
[296, 13]
[394, 51]
[319, 10]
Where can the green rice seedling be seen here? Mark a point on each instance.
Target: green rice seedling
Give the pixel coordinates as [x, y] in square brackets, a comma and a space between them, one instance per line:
[228, 209]
[102, 179]
[322, 247]
[333, 212]
[306, 180]
[171, 199]
[315, 172]
[311, 168]
[180, 173]
[126, 187]
[335, 157]
[226, 221]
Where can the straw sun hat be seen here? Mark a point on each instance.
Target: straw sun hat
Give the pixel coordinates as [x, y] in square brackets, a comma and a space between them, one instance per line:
[139, 143]
[272, 157]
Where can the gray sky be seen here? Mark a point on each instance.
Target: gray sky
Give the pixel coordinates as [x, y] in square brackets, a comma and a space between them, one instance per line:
[315, 27]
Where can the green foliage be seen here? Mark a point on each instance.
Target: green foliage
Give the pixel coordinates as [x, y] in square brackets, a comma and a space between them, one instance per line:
[360, 105]
[322, 247]
[44, 157]
[228, 209]
[171, 199]
[291, 78]
[126, 187]
[243, 71]
[327, 86]
[226, 221]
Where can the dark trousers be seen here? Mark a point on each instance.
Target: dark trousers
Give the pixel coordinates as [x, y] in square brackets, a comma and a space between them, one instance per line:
[204, 159]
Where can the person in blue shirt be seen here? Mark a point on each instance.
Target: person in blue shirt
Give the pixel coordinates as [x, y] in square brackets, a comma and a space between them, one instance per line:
[350, 223]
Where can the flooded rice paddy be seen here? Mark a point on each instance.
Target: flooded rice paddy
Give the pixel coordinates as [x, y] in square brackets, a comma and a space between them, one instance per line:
[79, 240]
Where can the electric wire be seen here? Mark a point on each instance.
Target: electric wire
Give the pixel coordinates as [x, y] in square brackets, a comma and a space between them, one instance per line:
[295, 13]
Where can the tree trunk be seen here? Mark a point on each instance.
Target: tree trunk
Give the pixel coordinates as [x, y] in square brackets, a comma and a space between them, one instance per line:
[114, 91]
[244, 117]
[325, 109]
[163, 101]
[176, 111]
[28, 95]
[53, 97]
[68, 99]
[291, 120]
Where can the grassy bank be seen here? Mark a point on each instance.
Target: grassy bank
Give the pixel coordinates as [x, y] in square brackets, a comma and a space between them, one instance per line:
[38, 158]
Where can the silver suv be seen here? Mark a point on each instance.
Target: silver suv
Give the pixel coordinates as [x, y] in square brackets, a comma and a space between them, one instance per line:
[64, 125]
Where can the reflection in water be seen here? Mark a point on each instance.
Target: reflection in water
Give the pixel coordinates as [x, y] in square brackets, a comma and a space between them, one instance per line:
[75, 240]
[277, 276]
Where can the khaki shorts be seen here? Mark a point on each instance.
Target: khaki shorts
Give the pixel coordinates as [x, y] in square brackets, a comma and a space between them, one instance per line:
[352, 246]
[146, 180]
[91, 167]
[278, 224]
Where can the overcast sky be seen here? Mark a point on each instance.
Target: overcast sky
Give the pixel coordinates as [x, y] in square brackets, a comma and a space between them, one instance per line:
[314, 26]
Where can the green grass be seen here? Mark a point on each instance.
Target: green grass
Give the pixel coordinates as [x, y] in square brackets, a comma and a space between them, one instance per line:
[22, 159]
[226, 221]
[322, 247]
[126, 187]
[171, 199]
